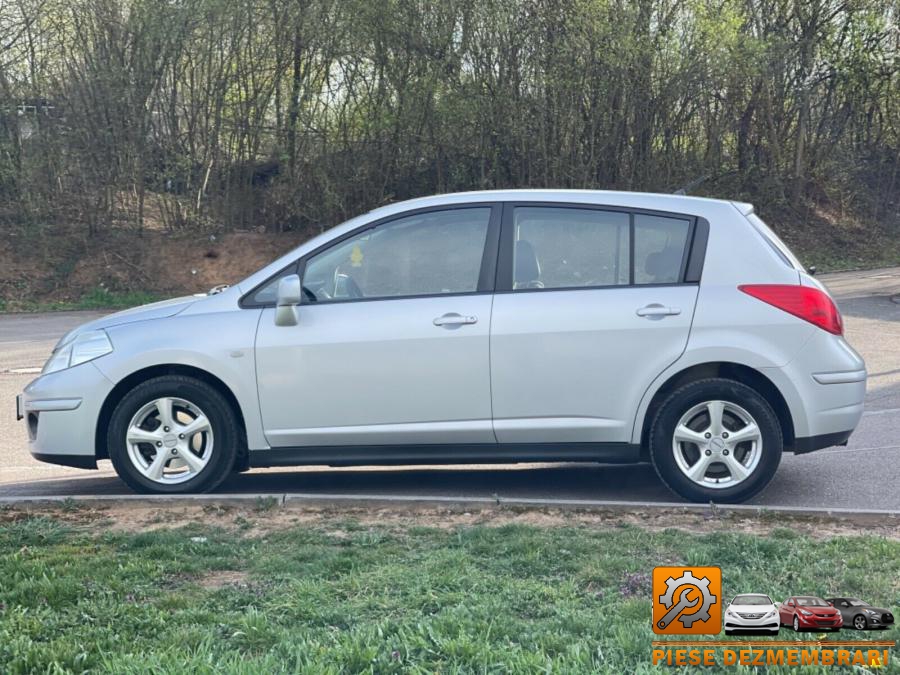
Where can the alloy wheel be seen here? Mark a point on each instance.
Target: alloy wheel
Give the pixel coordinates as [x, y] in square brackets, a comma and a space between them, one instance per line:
[796, 624]
[169, 440]
[717, 444]
[859, 622]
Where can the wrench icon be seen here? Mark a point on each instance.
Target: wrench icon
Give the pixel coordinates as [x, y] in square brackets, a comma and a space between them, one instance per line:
[682, 604]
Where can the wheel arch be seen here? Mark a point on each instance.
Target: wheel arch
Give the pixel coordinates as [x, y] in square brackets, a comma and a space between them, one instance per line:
[744, 374]
[128, 383]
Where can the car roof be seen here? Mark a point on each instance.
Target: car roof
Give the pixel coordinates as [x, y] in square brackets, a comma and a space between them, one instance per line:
[646, 200]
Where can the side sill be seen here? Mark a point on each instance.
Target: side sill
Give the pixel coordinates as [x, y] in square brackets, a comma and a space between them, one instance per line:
[387, 455]
[77, 461]
[807, 444]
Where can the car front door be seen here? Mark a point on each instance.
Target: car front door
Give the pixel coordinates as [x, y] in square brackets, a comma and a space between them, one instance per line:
[392, 340]
[592, 304]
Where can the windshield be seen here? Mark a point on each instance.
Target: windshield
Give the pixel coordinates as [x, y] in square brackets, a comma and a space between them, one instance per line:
[752, 600]
[812, 602]
[858, 603]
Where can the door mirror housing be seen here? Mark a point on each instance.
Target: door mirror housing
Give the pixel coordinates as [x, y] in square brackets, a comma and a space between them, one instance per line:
[289, 295]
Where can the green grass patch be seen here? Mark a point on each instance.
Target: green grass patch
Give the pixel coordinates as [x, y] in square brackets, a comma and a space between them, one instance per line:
[341, 597]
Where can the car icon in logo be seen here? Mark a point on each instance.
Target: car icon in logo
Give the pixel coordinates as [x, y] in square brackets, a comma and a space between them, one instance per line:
[755, 612]
[808, 612]
[861, 615]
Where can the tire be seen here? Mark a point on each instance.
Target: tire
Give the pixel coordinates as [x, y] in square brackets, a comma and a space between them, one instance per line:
[733, 473]
[213, 447]
[796, 625]
[856, 622]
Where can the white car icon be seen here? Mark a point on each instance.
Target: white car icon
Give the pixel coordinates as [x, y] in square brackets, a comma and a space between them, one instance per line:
[751, 612]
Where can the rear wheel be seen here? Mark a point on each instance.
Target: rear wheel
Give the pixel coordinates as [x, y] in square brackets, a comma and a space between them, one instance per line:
[173, 434]
[716, 440]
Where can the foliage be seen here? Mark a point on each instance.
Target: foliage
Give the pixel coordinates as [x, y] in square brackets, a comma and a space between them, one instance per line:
[290, 114]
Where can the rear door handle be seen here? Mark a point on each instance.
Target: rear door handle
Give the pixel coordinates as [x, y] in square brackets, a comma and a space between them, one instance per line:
[454, 319]
[658, 310]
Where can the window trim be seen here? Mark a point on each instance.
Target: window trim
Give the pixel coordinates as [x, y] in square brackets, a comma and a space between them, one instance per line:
[486, 273]
[691, 262]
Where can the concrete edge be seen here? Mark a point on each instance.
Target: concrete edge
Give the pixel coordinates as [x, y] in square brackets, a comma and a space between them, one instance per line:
[298, 499]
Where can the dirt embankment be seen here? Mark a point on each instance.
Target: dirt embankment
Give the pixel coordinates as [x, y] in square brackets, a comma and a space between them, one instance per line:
[61, 268]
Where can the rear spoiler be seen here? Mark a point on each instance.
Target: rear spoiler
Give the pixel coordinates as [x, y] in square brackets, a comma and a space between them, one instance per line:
[745, 208]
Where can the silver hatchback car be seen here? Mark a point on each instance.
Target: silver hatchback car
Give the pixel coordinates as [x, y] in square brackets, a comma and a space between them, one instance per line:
[480, 327]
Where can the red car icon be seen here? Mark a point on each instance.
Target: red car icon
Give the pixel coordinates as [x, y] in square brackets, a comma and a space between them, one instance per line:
[807, 612]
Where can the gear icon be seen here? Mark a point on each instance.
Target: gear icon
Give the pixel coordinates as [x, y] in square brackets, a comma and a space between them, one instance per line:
[688, 579]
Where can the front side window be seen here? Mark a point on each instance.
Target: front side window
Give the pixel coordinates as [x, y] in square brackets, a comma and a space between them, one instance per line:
[569, 248]
[431, 253]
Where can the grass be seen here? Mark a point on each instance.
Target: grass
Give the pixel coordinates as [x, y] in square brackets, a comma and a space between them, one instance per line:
[337, 596]
[97, 298]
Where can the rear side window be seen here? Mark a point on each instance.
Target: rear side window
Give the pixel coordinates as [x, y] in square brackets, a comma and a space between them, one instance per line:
[569, 247]
[659, 248]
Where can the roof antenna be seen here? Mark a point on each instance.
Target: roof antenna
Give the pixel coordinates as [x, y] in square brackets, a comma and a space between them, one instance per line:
[694, 183]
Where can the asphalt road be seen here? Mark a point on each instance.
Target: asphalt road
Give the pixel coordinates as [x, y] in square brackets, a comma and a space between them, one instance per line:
[865, 474]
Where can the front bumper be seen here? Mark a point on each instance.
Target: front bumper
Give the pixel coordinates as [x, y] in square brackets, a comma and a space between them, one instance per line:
[820, 623]
[61, 410]
[737, 622]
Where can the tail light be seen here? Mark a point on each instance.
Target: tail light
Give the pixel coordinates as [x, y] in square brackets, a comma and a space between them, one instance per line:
[809, 304]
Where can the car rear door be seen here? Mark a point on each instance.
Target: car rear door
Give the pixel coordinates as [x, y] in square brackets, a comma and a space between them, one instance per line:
[592, 303]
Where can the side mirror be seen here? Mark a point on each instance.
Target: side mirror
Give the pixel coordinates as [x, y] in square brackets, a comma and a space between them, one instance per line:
[289, 295]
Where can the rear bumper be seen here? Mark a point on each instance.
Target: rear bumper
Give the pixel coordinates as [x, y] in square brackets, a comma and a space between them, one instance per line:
[812, 443]
[825, 390]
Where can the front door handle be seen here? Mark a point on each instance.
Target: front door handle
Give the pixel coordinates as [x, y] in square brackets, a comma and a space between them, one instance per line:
[658, 310]
[454, 319]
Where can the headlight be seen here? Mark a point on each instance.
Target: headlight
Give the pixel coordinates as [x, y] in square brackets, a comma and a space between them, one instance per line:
[806, 612]
[83, 348]
[771, 613]
[871, 611]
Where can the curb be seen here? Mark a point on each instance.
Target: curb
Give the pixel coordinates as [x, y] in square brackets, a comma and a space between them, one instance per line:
[298, 499]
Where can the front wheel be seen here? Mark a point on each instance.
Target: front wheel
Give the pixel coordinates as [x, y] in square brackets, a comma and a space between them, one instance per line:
[173, 434]
[716, 440]
[796, 625]
[859, 622]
